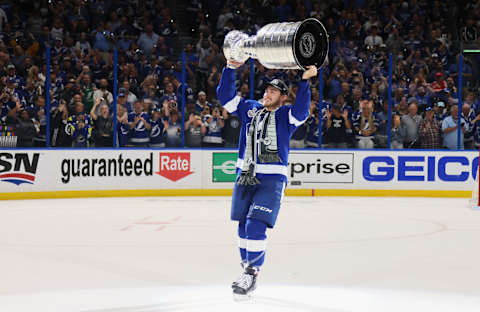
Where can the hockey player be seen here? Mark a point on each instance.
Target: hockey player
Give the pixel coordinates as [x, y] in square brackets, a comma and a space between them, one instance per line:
[262, 162]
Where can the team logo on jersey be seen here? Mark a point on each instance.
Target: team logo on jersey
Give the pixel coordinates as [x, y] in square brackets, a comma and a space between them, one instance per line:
[252, 112]
[234, 123]
[140, 126]
[18, 168]
[174, 166]
[81, 138]
[213, 126]
[156, 131]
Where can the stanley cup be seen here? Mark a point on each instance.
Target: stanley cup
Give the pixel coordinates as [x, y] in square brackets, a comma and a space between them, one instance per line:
[281, 45]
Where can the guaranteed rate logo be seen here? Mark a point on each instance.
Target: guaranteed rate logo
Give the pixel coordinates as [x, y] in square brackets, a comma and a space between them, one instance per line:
[18, 168]
[106, 167]
[174, 166]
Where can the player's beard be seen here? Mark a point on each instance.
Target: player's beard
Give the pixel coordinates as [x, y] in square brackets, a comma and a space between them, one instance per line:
[273, 104]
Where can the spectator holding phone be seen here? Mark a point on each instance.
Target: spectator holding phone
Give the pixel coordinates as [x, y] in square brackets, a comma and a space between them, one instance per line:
[397, 133]
[157, 131]
[194, 130]
[173, 127]
[214, 124]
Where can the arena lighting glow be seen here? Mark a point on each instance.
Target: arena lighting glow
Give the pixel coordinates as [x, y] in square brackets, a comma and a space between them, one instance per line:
[471, 51]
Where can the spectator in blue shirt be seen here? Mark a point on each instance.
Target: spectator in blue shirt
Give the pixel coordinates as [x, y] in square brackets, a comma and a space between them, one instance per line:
[101, 35]
[174, 128]
[334, 86]
[147, 39]
[157, 132]
[450, 128]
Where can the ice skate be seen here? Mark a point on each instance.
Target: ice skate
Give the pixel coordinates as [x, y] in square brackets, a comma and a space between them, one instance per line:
[246, 284]
[243, 264]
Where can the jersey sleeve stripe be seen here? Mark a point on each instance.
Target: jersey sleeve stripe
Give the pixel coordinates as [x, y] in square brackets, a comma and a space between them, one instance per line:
[293, 120]
[232, 105]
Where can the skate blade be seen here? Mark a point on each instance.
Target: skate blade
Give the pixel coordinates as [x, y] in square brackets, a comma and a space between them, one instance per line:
[243, 298]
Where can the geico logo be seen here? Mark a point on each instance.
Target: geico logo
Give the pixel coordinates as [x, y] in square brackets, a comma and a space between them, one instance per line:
[446, 168]
[18, 162]
[102, 167]
[265, 209]
[318, 167]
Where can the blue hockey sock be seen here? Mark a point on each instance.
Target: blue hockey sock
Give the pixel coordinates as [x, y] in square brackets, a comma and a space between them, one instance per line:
[256, 242]
[242, 242]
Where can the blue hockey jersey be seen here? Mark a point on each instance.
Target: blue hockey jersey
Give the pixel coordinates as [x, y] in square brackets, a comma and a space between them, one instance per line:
[287, 119]
[139, 134]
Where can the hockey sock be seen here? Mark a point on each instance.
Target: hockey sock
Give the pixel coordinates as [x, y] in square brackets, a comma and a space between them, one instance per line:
[242, 241]
[256, 242]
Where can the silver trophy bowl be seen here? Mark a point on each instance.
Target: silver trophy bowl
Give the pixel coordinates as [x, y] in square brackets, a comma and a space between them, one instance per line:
[281, 45]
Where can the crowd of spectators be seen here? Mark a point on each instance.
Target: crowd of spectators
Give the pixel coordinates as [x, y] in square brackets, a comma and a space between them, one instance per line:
[352, 111]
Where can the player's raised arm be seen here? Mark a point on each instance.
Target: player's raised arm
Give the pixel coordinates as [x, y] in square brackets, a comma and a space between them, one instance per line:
[226, 92]
[300, 110]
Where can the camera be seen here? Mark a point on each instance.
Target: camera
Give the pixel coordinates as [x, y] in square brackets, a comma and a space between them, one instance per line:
[172, 104]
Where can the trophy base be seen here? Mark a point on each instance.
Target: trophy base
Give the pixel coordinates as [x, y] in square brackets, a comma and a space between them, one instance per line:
[310, 44]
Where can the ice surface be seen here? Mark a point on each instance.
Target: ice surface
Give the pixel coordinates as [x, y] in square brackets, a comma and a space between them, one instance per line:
[179, 254]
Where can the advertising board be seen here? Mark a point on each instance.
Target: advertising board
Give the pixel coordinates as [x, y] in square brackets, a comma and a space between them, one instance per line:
[213, 172]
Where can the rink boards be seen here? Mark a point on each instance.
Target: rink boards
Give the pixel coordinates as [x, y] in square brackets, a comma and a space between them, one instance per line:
[47, 173]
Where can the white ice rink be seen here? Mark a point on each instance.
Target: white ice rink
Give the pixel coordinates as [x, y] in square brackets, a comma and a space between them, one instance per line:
[179, 254]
